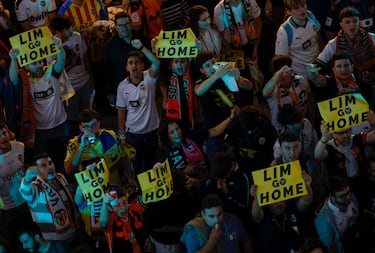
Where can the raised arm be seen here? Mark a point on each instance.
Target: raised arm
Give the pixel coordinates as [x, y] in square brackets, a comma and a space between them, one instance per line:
[60, 62]
[203, 87]
[13, 67]
[318, 80]
[257, 213]
[155, 63]
[320, 150]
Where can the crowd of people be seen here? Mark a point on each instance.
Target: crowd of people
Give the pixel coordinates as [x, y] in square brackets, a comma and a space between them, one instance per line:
[105, 97]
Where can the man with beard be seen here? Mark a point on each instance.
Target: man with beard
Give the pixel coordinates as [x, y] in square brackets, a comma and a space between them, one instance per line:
[337, 214]
[50, 200]
[33, 242]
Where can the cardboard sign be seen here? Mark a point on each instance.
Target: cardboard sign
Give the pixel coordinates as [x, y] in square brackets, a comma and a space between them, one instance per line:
[343, 112]
[236, 56]
[176, 44]
[156, 184]
[34, 45]
[93, 182]
[280, 182]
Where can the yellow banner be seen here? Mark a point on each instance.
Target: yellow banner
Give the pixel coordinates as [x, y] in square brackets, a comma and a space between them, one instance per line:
[279, 183]
[236, 56]
[156, 184]
[34, 45]
[343, 112]
[93, 181]
[176, 44]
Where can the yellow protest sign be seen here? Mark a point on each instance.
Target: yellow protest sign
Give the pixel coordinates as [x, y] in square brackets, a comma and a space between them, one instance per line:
[236, 56]
[34, 45]
[93, 181]
[343, 112]
[156, 184]
[176, 44]
[280, 182]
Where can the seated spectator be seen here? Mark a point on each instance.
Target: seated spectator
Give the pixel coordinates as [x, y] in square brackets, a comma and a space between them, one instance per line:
[121, 221]
[281, 228]
[337, 214]
[215, 230]
[33, 242]
[285, 87]
[50, 199]
[204, 30]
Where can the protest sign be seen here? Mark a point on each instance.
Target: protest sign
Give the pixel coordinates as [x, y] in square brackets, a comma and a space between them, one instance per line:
[156, 184]
[176, 44]
[236, 56]
[93, 181]
[34, 45]
[280, 182]
[342, 112]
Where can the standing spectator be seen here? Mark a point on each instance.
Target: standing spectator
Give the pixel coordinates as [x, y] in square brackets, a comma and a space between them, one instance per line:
[52, 131]
[207, 34]
[31, 14]
[77, 67]
[217, 112]
[215, 230]
[344, 79]
[138, 119]
[337, 214]
[14, 213]
[240, 25]
[285, 87]
[349, 38]
[366, 15]
[175, 14]
[50, 200]
[93, 144]
[116, 52]
[297, 37]
[83, 13]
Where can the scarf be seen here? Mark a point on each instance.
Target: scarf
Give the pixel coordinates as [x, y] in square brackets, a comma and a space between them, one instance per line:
[61, 214]
[350, 85]
[191, 155]
[173, 109]
[351, 163]
[363, 50]
[235, 37]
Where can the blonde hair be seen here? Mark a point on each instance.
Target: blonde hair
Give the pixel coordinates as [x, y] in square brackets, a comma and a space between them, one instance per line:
[293, 4]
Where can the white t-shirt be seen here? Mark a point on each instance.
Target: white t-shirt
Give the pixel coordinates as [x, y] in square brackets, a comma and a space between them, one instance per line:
[34, 11]
[49, 110]
[221, 20]
[78, 75]
[139, 101]
[11, 174]
[304, 45]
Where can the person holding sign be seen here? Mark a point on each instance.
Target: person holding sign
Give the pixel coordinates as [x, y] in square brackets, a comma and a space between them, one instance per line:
[52, 131]
[219, 103]
[344, 79]
[215, 230]
[121, 221]
[50, 199]
[138, 119]
[280, 227]
[344, 154]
